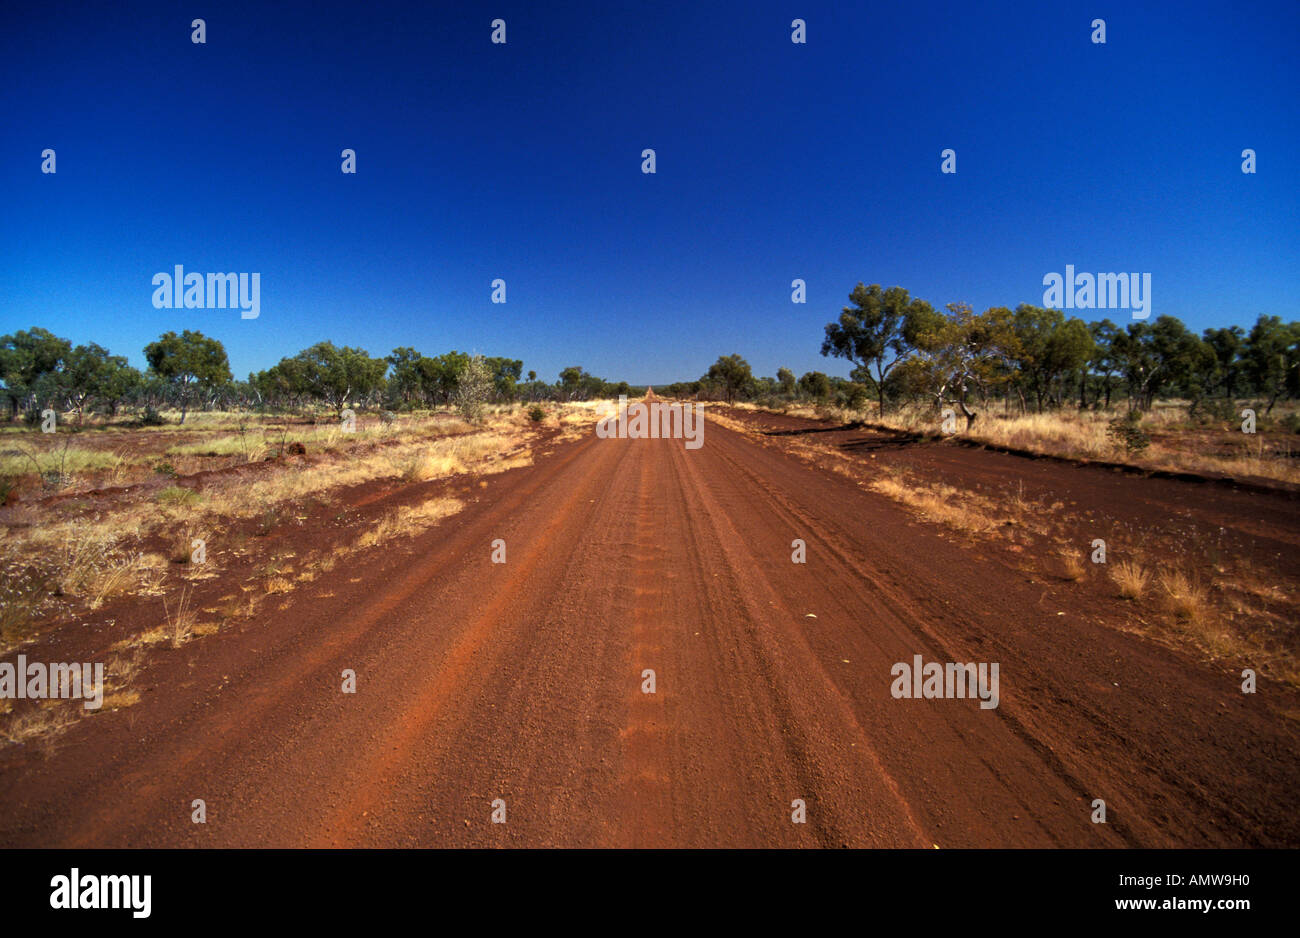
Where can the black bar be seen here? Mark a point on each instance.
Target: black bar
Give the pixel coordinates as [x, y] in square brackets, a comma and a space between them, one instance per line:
[644, 891]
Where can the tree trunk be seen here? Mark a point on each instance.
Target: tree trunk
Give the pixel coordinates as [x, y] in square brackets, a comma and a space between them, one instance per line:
[969, 414]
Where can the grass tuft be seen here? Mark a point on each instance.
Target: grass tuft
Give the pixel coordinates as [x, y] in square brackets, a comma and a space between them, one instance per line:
[1130, 578]
[1183, 597]
[179, 627]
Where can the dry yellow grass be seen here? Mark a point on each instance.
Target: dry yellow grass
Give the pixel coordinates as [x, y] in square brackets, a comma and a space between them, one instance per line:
[83, 555]
[153, 636]
[407, 521]
[82, 547]
[152, 571]
[1063, 432]
[36, 722]
[121, 699]
[939, 503]
[90, 560]
[1182, 596]
[1072, 565]
[180, 621]
[249, 447]
[472, 452]
[1130, 578]
[116, 579]
[52, 454]
[239, 606]
[736, 425]
[1251, 459]
[122, 669]
[1083, 435]
[414, 461]
[428, 466]
[183, 547]
[577, 419]
[75, 562]
[965, 511]
[1077, 434]
[238, 437]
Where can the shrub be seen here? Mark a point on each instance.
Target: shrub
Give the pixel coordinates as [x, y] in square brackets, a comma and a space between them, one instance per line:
[151, 418]
[473, 388]
[1211, 409]
[178, 495]
[854, 397]
[267, 522]
[1127, 430]
[536, 414]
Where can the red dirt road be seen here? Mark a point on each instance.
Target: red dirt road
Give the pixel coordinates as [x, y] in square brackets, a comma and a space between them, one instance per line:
[522, 681]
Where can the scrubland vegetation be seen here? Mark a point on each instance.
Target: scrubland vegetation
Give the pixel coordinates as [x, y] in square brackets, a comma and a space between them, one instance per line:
[1153, 393]
[157, 495]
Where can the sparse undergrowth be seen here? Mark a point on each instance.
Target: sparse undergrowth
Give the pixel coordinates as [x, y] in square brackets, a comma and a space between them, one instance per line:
[1178, 437]
[1209, 616]
[59, 560]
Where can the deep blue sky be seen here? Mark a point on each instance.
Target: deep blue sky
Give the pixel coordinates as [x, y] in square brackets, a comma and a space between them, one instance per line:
[522, 161]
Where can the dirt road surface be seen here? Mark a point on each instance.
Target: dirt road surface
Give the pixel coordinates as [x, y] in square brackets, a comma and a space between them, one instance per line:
[523, 681]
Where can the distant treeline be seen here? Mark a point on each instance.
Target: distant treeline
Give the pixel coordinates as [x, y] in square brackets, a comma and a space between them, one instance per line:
[903, 349]
[189, 371]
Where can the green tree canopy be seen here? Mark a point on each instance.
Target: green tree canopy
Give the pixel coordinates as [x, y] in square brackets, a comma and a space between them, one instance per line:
[190, 363]
[91, 373]
[732, 374]
[871, 331]
[334, 375]
[25, 356]
[815, 385]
